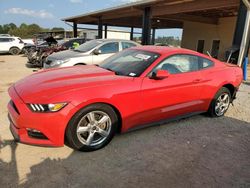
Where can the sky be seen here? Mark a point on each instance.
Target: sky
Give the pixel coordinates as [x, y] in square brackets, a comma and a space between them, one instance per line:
[48, 13]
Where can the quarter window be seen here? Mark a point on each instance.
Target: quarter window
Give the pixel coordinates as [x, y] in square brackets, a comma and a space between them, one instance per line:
[205, 63]
[110, 48]
[126, 45]
[179, 64]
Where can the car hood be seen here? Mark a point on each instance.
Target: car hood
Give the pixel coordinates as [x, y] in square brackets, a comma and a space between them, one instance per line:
[45, 85]
[67, 54]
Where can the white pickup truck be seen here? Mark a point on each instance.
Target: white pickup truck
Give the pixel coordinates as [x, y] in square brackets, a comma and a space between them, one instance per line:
[12, 45]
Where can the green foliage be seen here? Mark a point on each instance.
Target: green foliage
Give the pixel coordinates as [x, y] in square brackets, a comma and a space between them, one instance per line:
[4, 29]
[57, 29]
[173, 41]
[25, 30]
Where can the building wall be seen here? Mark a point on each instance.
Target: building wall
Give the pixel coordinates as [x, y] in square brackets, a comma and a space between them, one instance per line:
[92, 34]
[224, 31]
[117, 35]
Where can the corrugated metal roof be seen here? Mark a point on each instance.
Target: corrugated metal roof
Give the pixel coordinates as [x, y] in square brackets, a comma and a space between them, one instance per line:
[124, 6]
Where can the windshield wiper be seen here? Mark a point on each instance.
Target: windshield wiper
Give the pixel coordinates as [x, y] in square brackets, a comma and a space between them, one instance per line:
[116, 73]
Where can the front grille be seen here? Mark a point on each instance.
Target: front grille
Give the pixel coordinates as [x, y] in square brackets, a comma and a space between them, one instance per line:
[14, 106]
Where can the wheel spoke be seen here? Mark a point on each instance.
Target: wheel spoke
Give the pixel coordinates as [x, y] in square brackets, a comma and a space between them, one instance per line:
[91, 117]
[225, 97]
[82, 129]
[102, 132]
[104, 119]
[90, 138]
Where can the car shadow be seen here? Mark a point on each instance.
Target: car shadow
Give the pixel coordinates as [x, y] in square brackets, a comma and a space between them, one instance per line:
[246, 83]
[193, 152]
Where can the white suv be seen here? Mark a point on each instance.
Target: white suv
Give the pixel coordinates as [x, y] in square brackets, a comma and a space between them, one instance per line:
[11, 45]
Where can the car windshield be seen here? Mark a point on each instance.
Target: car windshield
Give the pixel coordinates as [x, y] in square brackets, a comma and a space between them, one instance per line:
[130, 62]
[88, 46]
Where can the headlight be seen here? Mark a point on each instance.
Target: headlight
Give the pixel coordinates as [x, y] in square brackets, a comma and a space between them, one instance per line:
[59, 62]
[46, 107]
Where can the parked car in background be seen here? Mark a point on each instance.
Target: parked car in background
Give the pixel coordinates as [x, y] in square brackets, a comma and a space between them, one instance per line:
[12, 45]
[5, 35]
[40, 56]
[92, 52]
[84, 106]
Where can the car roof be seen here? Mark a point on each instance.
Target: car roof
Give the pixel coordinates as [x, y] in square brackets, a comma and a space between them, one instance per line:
[115, 40]
[3, 37]
[166, 50]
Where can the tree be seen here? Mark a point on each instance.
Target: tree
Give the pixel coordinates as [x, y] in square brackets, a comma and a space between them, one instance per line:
[25, 30]
[23, 26]
[57, 29]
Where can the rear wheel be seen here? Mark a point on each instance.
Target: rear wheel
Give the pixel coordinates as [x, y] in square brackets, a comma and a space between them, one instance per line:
[220, 103]
[15, 51]
[92, 128]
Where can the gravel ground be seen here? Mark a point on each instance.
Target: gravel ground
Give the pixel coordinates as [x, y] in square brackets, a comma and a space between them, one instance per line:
[193, 152]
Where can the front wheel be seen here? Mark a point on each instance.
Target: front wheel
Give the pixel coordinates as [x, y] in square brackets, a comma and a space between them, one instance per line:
[92, 128]
[220, 103]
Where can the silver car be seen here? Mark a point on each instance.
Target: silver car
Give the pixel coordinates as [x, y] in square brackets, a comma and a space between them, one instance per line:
[92, 52]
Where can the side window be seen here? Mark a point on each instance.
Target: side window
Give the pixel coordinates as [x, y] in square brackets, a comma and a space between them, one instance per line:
[179, 64]
[68, 44]
[6, 39]
[126, 45]
[108, 48]
[205, 63]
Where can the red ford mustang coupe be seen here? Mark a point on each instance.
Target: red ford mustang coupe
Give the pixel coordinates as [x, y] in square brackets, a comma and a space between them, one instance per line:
[84, 106]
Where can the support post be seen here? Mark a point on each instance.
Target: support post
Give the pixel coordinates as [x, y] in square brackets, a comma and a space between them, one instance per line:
[106, 31]
[146, 26]
[74, 29]
[153, 36]
[132, 33]
[244, 47]
[100, 28]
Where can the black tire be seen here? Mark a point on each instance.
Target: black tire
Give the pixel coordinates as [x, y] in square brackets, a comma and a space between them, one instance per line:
[212, 108]
[14, 51]
[71, 138]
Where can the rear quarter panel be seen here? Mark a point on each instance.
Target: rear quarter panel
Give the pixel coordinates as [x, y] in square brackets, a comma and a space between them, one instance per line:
[214, 78]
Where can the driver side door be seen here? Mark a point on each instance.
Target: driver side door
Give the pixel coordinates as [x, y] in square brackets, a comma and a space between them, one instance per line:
[107, 50]
[178, 94]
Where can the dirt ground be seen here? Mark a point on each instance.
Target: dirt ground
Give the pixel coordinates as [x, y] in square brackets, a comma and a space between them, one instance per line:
[193, 152]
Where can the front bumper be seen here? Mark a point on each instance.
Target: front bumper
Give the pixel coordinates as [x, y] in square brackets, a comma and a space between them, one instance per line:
[50, 125]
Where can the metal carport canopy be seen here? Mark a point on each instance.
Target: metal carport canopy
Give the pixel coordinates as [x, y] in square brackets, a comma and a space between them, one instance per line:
[164, 13]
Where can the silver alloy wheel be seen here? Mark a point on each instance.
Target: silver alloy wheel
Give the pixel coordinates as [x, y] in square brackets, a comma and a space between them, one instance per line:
[94, 128]
[222, 104]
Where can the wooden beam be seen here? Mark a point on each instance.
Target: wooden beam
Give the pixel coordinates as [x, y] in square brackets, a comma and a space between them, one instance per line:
[192, 6]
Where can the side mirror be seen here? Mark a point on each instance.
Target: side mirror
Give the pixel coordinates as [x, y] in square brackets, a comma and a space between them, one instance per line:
[160, 74]
[97, 52]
